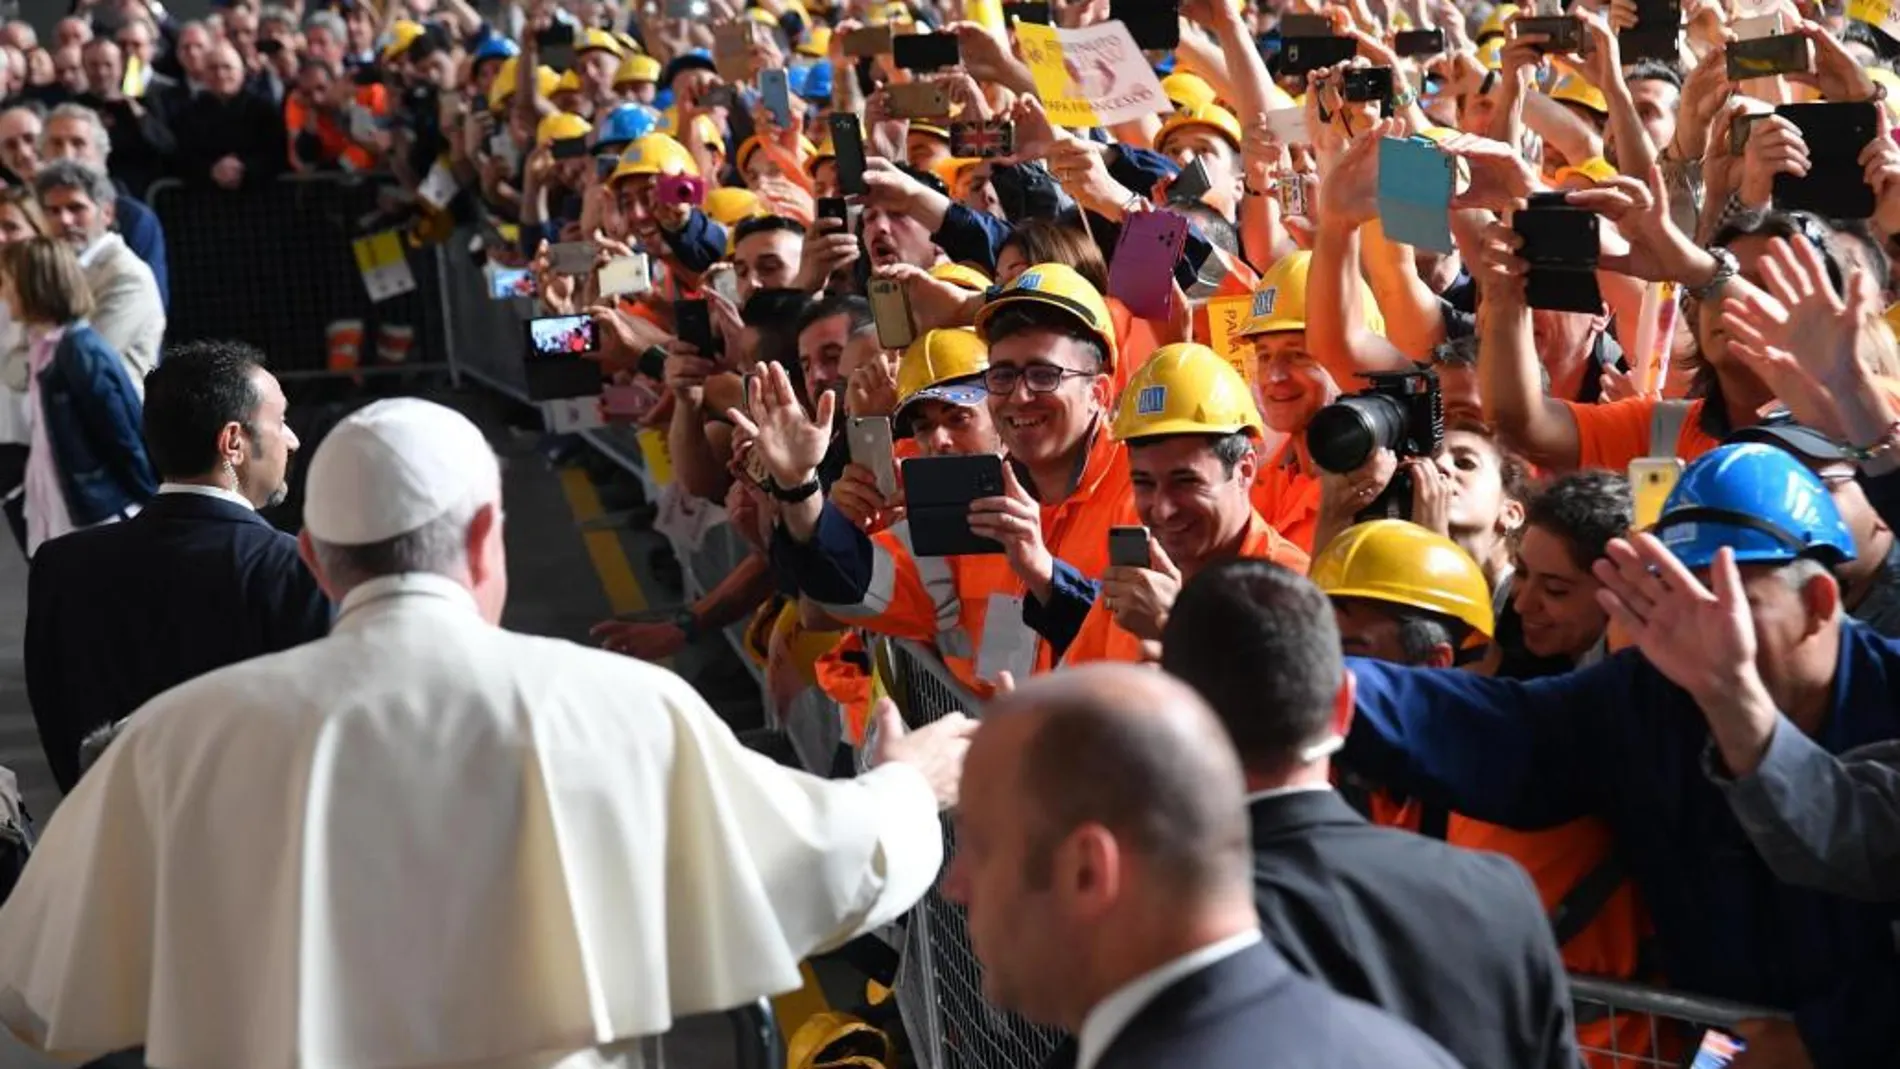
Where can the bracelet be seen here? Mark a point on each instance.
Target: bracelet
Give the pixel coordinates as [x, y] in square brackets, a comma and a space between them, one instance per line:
[1404, 98]
[1880, 447]
[795, 494]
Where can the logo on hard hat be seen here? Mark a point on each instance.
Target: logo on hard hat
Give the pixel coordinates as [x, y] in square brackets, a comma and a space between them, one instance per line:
[1030, 281]
[1264, 300]
[1151, 400]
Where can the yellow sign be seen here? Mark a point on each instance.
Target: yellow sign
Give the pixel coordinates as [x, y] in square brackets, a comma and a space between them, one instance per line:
[1042, 50]
[1094, 76]
[1880, 13]
[384, 265]
[1225, 316]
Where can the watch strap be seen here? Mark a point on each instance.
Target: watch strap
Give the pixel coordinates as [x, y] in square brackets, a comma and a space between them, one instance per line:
[795, 494]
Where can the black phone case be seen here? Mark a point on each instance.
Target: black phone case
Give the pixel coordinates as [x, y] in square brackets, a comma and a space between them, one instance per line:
[1835, 186]
[925, 52]
[694, 322]
[1563, 289]
[1765, 57]
[553, 378]
[937, 496]
[1561, 237]
[1301, 55]
[847, 140]
[1154, 24]
[1411, 43]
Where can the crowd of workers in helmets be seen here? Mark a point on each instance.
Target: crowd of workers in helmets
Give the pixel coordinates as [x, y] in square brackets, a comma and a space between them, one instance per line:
[1634, 708]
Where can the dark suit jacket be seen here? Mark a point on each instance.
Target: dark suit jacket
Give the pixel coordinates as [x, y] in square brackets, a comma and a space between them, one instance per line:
[1252, 1011]
[117, 614]
[1454, 941]
[246, 126]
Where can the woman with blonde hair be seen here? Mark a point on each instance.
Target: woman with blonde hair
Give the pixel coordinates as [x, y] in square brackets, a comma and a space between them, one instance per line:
[87, 463]
[20, 219]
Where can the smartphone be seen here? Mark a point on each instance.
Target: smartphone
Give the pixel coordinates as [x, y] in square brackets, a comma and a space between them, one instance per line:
[867, 42]
[1556, 234]
[922, 53]
[1651, 480]
[890, 311]
[870, 442]
[937, 496]
[1658, 24]
[692, 323]
[725, 282]
[1765, 57]
[847, 140]
[1191, 184]
[1564, 32]
[1154, 24]
[1302, 55]
[1835, 186]
[1367, 85]
[1717, 1050]
[1738, 129]
[1128, 548]
[1037, 12]
[916, 100]
[840, 209]
[983, 140]
[568, 148]
[696, 10]
[556, 46]
[1411, 43]
[572, 257]
[652, 364]
[1141, 275]
[1292, 193]
[628, 402]
[365, 76]
[624, 275]
[689, 189]
[1757, 26]
[563, 335]
[775, 93]
[1306, 26]
[506, 282]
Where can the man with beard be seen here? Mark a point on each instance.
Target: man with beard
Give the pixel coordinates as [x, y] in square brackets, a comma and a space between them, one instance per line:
[196, 581]
[128, 312]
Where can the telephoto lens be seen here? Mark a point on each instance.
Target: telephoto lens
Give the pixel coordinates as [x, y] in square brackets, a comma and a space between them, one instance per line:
[1344, 434]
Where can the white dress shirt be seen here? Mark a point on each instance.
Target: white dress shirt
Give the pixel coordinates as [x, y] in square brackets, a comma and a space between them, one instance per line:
[1109, 1016]
[201, 490]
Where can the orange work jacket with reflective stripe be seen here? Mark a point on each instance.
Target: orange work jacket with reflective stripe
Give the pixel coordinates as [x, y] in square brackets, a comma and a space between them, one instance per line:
[335, 141]
[1288, 498]
[946, 600]
[1102, 639]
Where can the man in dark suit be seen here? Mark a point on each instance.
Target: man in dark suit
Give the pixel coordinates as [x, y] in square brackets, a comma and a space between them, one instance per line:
[226, 136]
[198, 580]
[1102, 856]
[1454, 941]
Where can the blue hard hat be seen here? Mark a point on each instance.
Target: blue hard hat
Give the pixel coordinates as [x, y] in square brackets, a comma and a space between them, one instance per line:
[1757, 500]
[625, 124]
[815, 84]
[496, 46]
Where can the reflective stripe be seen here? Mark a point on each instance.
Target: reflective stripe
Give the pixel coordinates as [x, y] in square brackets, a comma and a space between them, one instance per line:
[876, 599]
[939, 582]
[955, 642]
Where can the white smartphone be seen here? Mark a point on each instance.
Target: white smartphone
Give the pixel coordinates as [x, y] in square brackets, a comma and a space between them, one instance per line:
[625, 275]
[572, 258]
[870, 442]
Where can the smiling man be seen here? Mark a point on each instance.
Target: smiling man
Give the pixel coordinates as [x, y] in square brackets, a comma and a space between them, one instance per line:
[1292, 387]
[1190, 428]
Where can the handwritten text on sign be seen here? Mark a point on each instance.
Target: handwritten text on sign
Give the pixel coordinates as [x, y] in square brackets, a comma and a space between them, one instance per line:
[1090, 77]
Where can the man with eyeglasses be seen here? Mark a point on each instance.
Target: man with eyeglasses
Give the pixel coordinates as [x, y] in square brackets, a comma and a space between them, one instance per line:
[1051, 359]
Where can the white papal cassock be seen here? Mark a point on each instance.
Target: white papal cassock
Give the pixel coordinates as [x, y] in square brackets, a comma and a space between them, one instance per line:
[428, 842]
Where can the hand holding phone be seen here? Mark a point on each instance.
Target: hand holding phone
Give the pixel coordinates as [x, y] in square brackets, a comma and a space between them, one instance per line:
[1651, 481]
[890, 312]
[847, 140]
[775, 94]
[1128, 548]
[692, 322]
[922, 53]
[572, 257]
[869, 439]
[1141, 275]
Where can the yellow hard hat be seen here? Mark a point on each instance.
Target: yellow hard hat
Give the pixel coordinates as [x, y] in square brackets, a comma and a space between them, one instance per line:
[817, 42]
[961, 275]
[1187, 90]
[706, 131]
[402, 34]
[729, 205]
[1185, 389]
[560, 126]
[931, 128]
[827, 1039]
[1056, 286]
[824, 151]
[1279, 99]
[654, 154]
[1892, 316]
[1279, 301]
[1491, 54]
[753, 144]
[592, 40]
[637, 69]
[1571, 88]
[1401, 563]
[569, 82]
[503, 87]
[1494, 23]
[762, 17]
[949, 169]
[941, 365]
[1207, 116]
[628, 43]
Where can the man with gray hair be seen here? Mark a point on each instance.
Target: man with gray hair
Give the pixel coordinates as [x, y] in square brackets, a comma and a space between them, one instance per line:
[79, 203]
[80, 133]
[140, 141]
[427, 841]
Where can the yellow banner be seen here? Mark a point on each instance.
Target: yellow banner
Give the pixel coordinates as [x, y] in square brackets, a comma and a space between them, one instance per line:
[1225, 315]
[1042, 50]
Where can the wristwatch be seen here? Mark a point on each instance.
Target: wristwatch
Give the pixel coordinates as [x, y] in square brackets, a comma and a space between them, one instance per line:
[794, 494]
[688, 623]
[1725, 269]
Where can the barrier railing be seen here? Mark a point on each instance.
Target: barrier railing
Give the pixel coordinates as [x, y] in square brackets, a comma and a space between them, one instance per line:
[940, 982]
[274, 266]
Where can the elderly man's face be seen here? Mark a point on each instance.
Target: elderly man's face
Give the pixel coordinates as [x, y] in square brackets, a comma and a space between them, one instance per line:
[72, 31]
[69, 69]
[74, 216]
[105, 69]
[323, 46]
[135, 42]
[240, 28]
[194, 45]
[68, 138]
[20, 142]
[224, 72]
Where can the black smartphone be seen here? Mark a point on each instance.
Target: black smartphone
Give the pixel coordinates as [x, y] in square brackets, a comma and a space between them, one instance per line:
[269, 46]
[1154, 24]
[835, 208]
[652, 364]
[1191, 184]
[847, 140]
[1765, 57]
[1368, 84]
[568, 148]
[365, 76]
[604, 166]
[1301, 55]
[1564, 32]
[1658, 23]
[1738, 129]
[1411, 43]
[1128, 548]
[937, 496]
[1037, 11]
[922, 53]
[556, 46]
[557, 364]
[692, 321]
[1835, 185]
[1555, 233]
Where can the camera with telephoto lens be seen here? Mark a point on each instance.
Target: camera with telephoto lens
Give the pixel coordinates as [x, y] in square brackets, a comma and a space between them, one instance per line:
[1403, 411]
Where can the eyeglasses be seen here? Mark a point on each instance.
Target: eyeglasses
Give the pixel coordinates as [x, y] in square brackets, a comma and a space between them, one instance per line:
[1001, 380]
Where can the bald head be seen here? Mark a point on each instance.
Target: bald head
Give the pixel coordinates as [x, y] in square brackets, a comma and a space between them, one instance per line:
[224, 71]
[1136, 752]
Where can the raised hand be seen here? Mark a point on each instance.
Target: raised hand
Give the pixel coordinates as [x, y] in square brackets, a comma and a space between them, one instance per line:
[1801, 314]
[789, 442]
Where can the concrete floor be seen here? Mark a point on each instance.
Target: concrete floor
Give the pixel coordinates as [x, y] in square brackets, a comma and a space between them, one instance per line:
[553, 590]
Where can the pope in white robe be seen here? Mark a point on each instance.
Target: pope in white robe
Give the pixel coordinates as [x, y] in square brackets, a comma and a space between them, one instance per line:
[427, 842]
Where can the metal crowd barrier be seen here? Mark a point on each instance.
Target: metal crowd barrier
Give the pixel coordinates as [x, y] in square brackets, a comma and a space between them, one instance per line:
[939, 988]
[274, 266]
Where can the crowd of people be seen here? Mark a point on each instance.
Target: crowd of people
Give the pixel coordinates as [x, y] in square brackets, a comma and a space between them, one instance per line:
[1463, 561]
